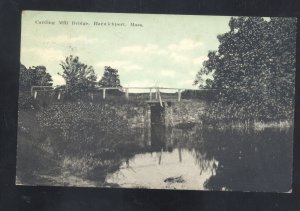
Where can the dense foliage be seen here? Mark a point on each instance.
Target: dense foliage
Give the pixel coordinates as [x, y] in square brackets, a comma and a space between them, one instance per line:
[110, 78]
[88, 139]
[84, 126]
[34, 76]
[78, 76]
[254, 69]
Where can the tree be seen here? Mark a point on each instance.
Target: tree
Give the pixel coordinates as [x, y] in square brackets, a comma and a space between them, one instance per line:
[34, 76]
[110, 78]
[254, 67]
[78, 76]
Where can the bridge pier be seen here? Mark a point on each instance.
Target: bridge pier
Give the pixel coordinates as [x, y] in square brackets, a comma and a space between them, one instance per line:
[104, 93]
[158, 128]
[150, 94]
[126, 93]
[160, 101]
[179, 95]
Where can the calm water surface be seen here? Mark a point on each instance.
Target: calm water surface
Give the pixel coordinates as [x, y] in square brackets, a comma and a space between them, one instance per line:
[208, 159]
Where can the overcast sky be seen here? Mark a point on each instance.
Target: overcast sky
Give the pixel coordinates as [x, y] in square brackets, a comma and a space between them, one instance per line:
[167, 50]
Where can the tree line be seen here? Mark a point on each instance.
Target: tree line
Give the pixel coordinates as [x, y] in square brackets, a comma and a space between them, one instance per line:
[253, 69]
[78, 77]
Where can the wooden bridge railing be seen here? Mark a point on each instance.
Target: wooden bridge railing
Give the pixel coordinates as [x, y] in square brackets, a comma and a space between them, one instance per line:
[156, 91]
[152, 90]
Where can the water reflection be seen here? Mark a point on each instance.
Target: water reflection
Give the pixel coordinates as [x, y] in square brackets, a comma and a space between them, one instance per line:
[207, 159]
[190, 156]
[172, 170]
[250, 161]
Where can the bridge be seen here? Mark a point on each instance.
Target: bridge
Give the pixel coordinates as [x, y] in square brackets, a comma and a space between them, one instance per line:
[152, 94]
[160, 111]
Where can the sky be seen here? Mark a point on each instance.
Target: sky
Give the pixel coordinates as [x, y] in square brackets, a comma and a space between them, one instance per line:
[164, 50]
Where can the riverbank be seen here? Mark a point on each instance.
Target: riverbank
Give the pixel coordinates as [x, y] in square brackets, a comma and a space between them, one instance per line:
[79, 143]
[75, 139]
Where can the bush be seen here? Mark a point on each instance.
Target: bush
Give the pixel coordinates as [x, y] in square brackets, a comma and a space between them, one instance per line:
[89, 135]
[26, 101]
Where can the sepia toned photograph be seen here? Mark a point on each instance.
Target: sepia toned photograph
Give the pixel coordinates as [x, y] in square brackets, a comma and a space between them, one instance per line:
[184, 102]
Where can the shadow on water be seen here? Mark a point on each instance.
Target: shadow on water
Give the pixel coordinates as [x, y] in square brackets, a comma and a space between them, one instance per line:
[182, 156]
[158, 128]
[249, 161]
[192, 157]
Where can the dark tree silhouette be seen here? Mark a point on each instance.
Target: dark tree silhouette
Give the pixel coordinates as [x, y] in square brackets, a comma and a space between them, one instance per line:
[78, 76]
[254, 67]
[110, 78]
[33, 76]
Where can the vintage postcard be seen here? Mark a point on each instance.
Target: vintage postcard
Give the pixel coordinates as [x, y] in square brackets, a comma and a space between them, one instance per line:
[156, 101]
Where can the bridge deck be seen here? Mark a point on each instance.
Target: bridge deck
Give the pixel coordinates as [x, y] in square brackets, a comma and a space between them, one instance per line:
[151, 95]
[167, 101]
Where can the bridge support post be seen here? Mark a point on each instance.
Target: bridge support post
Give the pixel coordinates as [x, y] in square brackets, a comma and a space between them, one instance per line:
[156, 94]
[104, 93]
[150, 94]
[179, 95]
[179, 154]
[160, 101]
[126, 93]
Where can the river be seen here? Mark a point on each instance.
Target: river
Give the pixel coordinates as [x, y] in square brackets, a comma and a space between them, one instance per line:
[191, 157]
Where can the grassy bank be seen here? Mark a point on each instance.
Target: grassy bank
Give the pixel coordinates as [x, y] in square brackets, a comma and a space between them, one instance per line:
[232, 116]
[81, 140]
